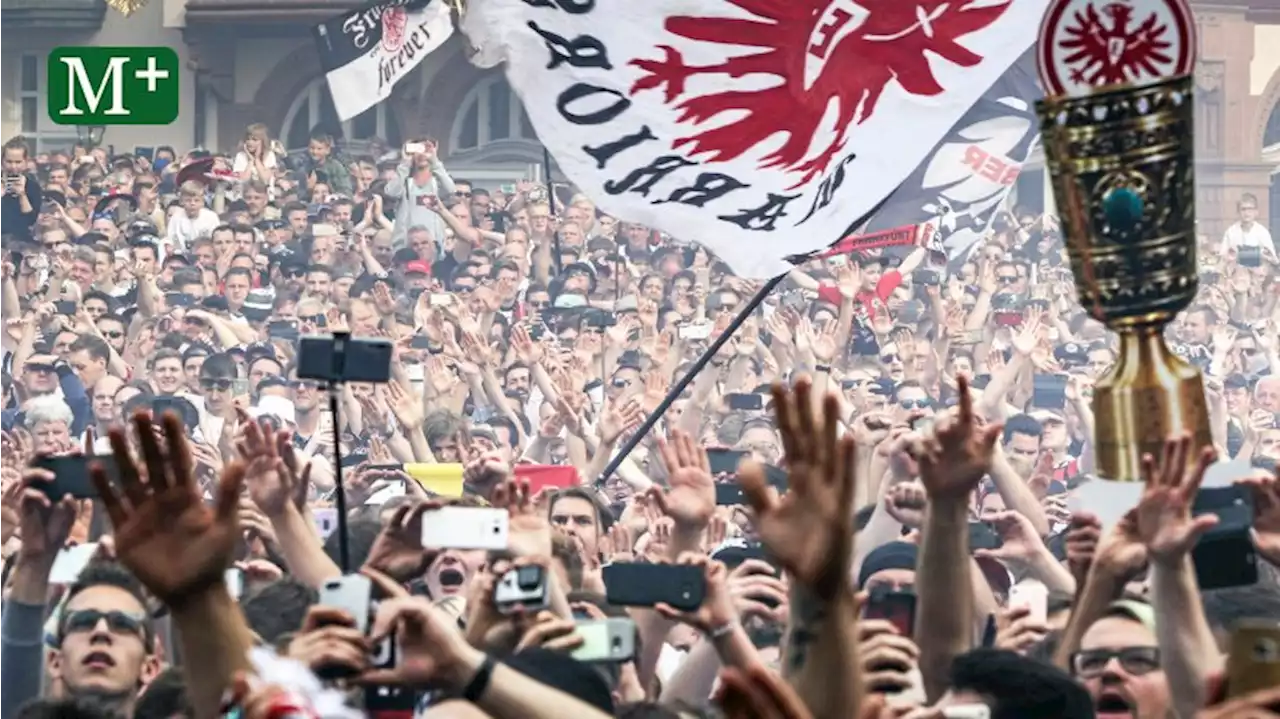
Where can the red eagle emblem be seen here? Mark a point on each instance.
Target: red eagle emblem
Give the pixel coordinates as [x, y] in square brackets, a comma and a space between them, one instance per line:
[1110, 53]
[394, 23]
[823, 51]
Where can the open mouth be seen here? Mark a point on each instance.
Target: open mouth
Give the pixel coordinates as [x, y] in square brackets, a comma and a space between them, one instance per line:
[451, 577]
[99, 660]
[1112, 704]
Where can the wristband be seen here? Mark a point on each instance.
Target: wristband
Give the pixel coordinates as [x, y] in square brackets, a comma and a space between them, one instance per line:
[823, 368]
[480, 682]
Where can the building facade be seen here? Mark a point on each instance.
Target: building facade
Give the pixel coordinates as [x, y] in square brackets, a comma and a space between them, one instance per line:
[249, 61]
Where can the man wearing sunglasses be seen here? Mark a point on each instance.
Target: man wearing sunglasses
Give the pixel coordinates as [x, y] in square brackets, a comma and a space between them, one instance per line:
[1119, 663]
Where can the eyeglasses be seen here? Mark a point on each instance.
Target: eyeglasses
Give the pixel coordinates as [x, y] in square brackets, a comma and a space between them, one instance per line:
[86, 620]
[36, 367]
[1008, 279]
[541, 305]
[304, 384]
[1134, 660]
[914, 403]
[461, 193]
[220, 385]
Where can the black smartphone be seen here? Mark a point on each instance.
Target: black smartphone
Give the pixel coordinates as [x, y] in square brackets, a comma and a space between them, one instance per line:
[724, 461]
[634, 584]
[1049, 391]
[739, 402]
[71, 475]
[896, 607]
[179, 299]
[537, 331]
[1225, 555]
[1249, 256]
[282, 330]
[64, 307]
[729, 494]
[927, 276]
[420, 342]
[600, 319]
[344, 359]
[147, 152]
[983, 536]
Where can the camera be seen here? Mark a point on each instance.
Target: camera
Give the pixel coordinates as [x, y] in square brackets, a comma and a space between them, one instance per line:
[1006, 309]
[522, 588]
[339, 357]
[927, 276]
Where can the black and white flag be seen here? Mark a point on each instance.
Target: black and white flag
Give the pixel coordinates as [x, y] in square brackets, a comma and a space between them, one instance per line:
[965, 180]
[365, 52]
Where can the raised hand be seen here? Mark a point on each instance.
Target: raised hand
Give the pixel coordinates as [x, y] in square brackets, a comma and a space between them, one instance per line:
[758, 692]
[957, 455]
[397, 551]
[550, 632]
[1266, 514]
[618, 417]
[691, 499]
[431, 648]
[45, 523]
[1020, 541]
[272, 470]
[1163, 516]
[529, 534]
[809, 529]
[164, 533]
[1017, 630]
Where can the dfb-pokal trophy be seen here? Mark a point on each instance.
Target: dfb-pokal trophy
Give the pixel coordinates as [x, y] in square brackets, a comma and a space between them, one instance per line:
[1116, 124]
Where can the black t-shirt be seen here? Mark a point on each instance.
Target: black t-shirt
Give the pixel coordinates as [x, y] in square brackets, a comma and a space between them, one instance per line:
[12, 220]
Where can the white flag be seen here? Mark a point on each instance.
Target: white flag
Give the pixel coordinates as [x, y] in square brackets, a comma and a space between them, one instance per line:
[759, 128]
[365, 52]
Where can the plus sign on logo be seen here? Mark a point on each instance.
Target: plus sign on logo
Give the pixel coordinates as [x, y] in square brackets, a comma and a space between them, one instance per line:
[113, 85]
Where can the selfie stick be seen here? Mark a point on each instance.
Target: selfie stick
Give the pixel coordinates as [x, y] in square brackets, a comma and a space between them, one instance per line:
[335, 388]
[705, 358]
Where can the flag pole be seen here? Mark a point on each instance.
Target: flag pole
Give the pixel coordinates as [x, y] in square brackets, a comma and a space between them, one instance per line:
[705, 358]
[551, 199]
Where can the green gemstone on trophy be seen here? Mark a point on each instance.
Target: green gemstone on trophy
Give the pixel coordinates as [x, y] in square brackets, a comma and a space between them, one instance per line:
[1122, 208]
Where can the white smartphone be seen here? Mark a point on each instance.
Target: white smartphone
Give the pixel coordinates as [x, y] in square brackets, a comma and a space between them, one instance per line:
[1034, 596]
[414, 148]
[695, 332]
[326, 519]
[234, 579]
[465, 528]
[605, 640]
[70, 562]
[440, 299]
[352, 594]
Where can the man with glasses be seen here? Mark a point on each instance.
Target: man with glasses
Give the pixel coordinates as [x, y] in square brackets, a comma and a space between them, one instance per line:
[1119, 664]
[217, 381]
[1247, 232]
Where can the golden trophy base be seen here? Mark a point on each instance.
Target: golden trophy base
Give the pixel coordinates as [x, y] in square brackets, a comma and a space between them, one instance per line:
[1149, 395]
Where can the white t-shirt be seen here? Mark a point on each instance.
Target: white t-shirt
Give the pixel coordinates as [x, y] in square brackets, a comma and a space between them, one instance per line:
[243, 163]
[1257, 236]
[183, 230]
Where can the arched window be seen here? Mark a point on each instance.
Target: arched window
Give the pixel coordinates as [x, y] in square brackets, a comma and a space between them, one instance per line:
[314, 107]
[1271, 136]
[491, 112]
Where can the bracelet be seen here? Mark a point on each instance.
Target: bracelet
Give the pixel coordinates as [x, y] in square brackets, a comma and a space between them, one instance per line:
[824, 368]
[480, 682]
[723, 630]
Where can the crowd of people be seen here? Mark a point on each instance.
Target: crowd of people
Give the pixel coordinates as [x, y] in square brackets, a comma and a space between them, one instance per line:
[873, 483]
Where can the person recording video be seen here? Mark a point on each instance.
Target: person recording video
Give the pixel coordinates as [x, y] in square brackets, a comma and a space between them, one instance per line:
[20, 206]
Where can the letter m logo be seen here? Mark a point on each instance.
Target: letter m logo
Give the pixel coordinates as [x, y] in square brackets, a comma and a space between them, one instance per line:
[113, 85]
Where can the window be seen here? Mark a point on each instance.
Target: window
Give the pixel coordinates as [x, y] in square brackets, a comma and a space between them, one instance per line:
[41, 134]
[490, 112]
[313, 107]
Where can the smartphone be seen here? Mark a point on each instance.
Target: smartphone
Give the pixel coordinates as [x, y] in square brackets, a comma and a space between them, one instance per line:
[1034, 596]
[353, 594]
[605, 640]
[71, 475]
[465, 528]
[178, 299]
[699, 331]
[1249, 256]
[326, 521]
[420, 342]
[633, 584]
[282, 330]
[1254, 661]
[922, 425]
[348, 359]
[740, 402]
[982, 536]
[967, 711]
[415, 148]
[897, 608]
[724, 461]
[1049, 391]
[440, 299]
[522, 588]
[64, 307]
[729, 494]
[147, 152]
[70, 562]
[234, 579]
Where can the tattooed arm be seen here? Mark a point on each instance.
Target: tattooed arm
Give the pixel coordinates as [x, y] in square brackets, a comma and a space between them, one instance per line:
[823, 638]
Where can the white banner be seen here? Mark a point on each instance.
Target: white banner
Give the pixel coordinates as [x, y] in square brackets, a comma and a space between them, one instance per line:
[365, 52]
[760, 128]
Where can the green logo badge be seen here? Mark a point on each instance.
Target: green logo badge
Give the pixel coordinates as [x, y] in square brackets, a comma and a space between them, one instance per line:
[113, 85]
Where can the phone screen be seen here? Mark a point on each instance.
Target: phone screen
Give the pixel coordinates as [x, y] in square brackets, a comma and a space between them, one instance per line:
[897, 608]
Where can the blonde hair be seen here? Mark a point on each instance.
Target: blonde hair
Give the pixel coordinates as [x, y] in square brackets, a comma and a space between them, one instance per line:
[191, 188]
[259, 131]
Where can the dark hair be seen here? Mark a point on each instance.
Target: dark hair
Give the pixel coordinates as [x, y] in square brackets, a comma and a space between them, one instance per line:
[18, 143]
[1020, 687]
[278, 608]
[73, 708]
[96, 347]
[165, 697]
[218, 366]
[1021, 424]
[360, 536]
[103, 573]
[604, 517]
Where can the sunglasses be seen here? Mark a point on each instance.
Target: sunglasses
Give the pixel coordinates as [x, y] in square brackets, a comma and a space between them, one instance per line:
[304, 384]
[540, 305]
[914, 403]
[221, 385]
[460, 193]
[1007, 280]
[39, 368]
[86, 620]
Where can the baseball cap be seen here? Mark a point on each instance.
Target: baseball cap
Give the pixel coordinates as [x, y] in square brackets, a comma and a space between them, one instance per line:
[417, 267]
